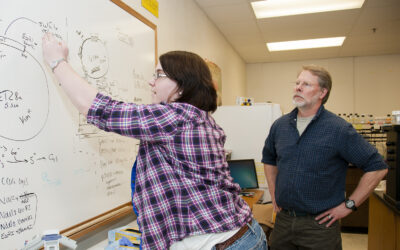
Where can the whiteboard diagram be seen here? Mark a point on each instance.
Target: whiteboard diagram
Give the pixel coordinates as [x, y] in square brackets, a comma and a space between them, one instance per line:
[94, 57]
[52, 162]
[27, 114]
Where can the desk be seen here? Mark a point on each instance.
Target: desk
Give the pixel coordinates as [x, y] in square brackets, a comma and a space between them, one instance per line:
[252, 200]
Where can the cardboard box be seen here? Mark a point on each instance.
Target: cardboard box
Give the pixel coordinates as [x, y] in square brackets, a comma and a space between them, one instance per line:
[264, 214]
[132, 234]
[114, 236]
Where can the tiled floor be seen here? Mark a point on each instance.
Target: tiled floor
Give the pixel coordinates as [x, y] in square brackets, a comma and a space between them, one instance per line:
[354, 241]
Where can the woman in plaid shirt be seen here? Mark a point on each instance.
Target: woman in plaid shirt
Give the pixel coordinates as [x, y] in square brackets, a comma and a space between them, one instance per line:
[184, 194]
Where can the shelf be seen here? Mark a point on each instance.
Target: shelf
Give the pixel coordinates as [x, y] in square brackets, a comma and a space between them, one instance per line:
[373, 135]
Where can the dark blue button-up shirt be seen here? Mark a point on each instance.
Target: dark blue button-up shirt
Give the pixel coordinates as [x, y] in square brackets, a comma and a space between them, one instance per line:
[312, 167]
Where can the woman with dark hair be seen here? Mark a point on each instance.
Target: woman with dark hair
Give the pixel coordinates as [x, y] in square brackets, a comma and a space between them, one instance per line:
[184, 194]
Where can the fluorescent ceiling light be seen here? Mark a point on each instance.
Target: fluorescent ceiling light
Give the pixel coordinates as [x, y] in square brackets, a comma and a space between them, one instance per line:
[274, 8]
[306, 44]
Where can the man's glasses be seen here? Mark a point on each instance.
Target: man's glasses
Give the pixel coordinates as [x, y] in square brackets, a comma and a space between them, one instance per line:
[304, 84]
[158, 75]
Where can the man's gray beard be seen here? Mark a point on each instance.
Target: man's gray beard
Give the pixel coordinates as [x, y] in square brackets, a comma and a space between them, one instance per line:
[297, 104]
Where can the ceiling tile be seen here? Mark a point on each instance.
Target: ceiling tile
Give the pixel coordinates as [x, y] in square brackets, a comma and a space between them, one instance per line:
[254, 54]
[210, 3]
[236, 21]
[383, 19]
[240, 28]
[379, 3]
[299, 27]
[246, 41]
[231, 13]
[371, 45]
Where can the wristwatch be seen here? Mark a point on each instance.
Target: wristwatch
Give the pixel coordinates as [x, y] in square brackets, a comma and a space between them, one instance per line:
[350, 204]
[55, 63]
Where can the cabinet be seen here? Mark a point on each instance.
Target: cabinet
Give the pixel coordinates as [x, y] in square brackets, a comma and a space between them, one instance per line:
[393, 160]
[384, 224]
[357, 220]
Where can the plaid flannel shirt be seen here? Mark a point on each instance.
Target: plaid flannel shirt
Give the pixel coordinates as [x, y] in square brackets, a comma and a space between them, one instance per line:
[183, 184]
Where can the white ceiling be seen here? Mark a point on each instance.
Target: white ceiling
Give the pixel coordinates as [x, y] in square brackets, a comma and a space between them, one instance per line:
[248, 35]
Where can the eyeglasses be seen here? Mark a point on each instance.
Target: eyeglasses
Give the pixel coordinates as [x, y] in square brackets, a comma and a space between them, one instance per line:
[158, 75]
[305, 84]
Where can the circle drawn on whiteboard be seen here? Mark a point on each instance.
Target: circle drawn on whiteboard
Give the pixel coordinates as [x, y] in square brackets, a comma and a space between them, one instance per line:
[94, 57]
[24, 93]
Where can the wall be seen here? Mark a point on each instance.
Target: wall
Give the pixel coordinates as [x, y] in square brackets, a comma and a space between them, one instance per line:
[182, 25]
[363, 85]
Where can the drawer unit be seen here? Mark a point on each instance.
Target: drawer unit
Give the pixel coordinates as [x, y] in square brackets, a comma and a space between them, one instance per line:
[393, 160]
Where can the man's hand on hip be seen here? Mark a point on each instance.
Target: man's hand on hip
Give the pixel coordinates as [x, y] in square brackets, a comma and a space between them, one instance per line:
[333, 214]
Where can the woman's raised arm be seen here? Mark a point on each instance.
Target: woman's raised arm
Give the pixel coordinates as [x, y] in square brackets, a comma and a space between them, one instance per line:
[79, 91]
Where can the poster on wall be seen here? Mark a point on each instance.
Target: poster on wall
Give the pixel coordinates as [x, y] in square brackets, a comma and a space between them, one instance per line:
[216, 77]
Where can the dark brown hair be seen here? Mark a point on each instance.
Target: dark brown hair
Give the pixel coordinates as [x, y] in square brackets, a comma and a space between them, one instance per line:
[193, 79]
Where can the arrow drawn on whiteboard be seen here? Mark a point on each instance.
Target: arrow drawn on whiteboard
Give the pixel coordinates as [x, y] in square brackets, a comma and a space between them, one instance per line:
[18, 161]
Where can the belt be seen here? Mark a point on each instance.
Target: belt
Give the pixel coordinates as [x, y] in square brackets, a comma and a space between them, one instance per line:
[235, 237]
[295, 213]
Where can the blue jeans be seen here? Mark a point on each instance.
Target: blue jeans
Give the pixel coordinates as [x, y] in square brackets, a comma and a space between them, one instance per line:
[253, 239]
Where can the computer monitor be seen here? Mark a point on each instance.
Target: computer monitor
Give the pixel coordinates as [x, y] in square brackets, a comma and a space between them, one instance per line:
[244, 173]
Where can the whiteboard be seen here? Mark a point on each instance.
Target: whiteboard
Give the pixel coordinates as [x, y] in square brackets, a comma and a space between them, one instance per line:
[56, 170]
[246, 128]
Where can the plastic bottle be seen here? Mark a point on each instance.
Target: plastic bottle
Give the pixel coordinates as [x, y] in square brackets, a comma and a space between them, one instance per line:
[356, 122]
[363, 122]
[379, 121]
[388, 119]
[371, 120]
